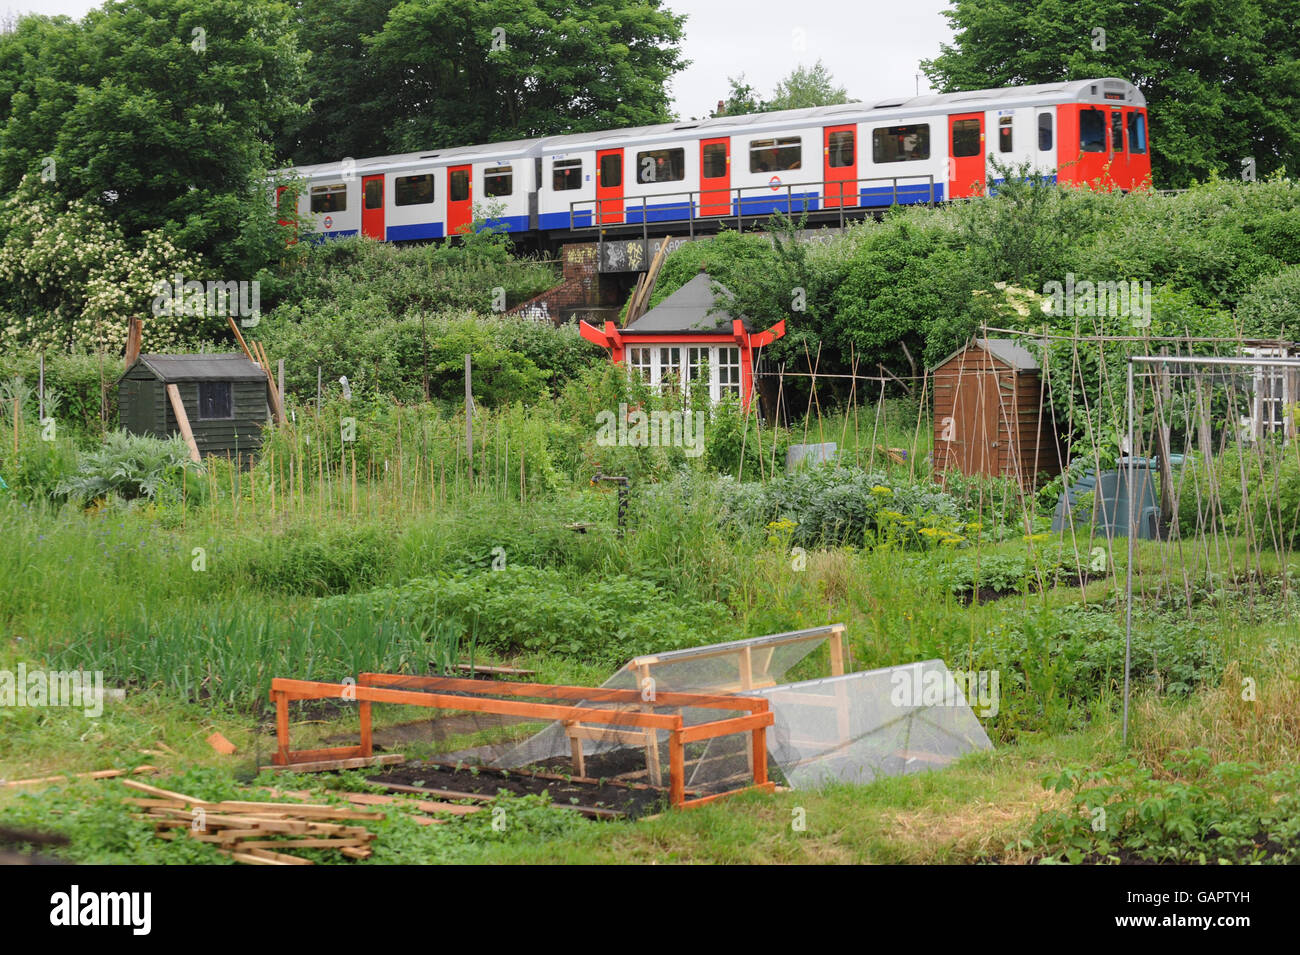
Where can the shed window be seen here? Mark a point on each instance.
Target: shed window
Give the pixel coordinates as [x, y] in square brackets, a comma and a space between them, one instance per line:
[329, 198]
[776, 155]
[566, 174]
[498, 181]
[661, 165]
[214, 400]
[1092, 131]
[900, 143]
[1004, 134]
[1044, 131]
[413, 190]
[839, 149]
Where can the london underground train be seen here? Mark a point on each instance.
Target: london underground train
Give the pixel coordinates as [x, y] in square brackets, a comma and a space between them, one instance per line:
[824, 161]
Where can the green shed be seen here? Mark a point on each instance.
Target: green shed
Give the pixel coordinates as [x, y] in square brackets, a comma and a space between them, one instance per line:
[224, 398]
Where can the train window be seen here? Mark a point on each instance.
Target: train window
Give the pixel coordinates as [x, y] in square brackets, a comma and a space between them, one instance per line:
[458, 185]
[714, 159]
[329, 198]
[1116, 131]
[900, 143]
[1004, 134]
[966, 137]
[661, 165]
[374, 194]
[611, 170]
[1044, 131]
[1137, 132]
[498, 181]
[1092, 131]
[566, 174]
[413, 190]
[776, 155]
[839, 149]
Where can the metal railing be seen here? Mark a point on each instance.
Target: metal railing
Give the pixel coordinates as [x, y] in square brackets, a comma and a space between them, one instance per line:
[831, 195]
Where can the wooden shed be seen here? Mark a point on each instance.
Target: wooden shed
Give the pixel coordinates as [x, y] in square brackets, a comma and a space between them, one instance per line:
[991, 414]
[223, 398]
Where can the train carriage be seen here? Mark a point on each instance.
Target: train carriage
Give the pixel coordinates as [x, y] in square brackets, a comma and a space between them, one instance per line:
[826, 161]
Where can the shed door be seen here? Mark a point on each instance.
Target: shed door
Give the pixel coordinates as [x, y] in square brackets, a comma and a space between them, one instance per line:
[975, 421]
[966, 155]
[372, 207]
[715, 177]
[137, 405]
[840, 172]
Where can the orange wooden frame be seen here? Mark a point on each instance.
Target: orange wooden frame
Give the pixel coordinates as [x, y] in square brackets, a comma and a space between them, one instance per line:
[373, 688]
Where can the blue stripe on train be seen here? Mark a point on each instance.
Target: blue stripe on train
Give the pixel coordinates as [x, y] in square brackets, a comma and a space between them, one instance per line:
[560, 220]
[320, 237]
[659, 212]
[904, 195]
[766, 205]
[509, 223]
[421, 230]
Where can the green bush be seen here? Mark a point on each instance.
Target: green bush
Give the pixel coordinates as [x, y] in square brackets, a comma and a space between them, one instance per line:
[131, 466]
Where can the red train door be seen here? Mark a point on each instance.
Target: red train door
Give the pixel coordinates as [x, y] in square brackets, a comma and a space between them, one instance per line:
[609, 185]
[965, 155]
[715, 177]
[840, 171]
[372, 207]
[1119, 174]
[286, 217]
[460, 199]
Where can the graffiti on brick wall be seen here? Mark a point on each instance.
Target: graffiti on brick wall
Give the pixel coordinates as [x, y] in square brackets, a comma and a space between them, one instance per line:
[536, 312]
[630, 255]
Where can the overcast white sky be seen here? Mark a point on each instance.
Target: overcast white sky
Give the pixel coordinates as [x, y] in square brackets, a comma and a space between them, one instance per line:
[872, 47]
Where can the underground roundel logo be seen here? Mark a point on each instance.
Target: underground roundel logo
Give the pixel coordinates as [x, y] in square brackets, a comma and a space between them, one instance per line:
[329, 222]
[775, 183]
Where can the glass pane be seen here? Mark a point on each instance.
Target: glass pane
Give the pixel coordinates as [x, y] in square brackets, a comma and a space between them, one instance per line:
[566, 174]
[661, 165]
[966, 137]
[1116, 131]
[900, 143]
[1044, 130]
[775, 155]
[1137, 133]
[715, 160]
[375, 194]
[413, 190]
[611, 171]
[458, 185]
[840, 149]
[498, 181]
[329, 198]
[1004, 134]
[1092, 131]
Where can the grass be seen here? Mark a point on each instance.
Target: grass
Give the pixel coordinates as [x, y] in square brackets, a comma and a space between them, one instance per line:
[195, 643]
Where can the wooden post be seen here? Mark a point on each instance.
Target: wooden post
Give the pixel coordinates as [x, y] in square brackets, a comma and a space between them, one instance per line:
[281, 727]
[469, 421]
[367, 741]
[182, 421]
[836, 644]
[758, 755]
[279, 385]
[676, 768]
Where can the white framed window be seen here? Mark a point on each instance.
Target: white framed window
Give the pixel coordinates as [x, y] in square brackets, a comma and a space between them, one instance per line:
[1271, 394]
[673, 368]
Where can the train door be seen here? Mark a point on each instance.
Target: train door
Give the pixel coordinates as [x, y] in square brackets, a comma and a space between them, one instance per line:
[286, 217]
[372, 207]
[840, 172]
[715, 177]
[1119, 175]
[460, 199]
[966, 155]
[609, 185]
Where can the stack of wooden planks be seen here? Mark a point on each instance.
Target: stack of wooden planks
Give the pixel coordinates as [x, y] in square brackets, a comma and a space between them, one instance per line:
[255, 833]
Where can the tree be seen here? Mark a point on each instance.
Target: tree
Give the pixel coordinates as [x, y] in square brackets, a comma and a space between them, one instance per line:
[804, 87]
[160, 112]
[807, 86]
[460, 72]
[1221, 77]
